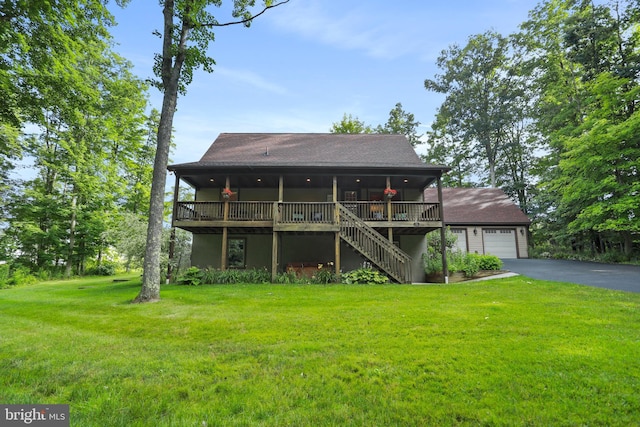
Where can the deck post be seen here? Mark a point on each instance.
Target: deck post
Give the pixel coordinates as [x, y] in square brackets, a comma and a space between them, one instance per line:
[443, 237]
[176, 194]
[337, 253]
[274, 255]
[336, 219]
[389, 213]
[225, 232]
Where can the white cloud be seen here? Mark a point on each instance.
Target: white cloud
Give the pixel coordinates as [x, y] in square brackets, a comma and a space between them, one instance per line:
[246, 77]
[356, 28]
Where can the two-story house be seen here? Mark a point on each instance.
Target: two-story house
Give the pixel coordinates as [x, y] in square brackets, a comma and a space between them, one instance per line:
[281, 201]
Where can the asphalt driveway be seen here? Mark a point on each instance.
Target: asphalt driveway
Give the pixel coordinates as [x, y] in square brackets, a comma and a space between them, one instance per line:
[609, 276]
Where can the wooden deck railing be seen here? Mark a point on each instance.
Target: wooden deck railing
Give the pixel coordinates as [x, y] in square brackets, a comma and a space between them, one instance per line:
[400, 211]
[306, 212]
[214, 211]
[299, 212]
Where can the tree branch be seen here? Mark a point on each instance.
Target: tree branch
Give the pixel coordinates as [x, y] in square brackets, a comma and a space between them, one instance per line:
[244, 21]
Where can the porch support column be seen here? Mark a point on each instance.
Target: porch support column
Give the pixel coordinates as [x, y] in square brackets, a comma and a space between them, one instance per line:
[274, 255]
[336, 216]
[443, 243]
[225, 232]
[389, 214]
[176, 194]
[335, 189]
[275, 236]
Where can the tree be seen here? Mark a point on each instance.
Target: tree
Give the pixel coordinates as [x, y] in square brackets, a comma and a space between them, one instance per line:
[478, 96]
[186, 35]
[36, 37]
[585, 58]
[403, 123]
[87, 109]
[400, 122]
[350, 124]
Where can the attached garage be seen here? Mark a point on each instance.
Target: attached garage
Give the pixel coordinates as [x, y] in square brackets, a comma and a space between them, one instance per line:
[500, 242]
[485, 221]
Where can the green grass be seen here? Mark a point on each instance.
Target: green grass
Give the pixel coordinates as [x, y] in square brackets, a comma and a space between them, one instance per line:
[502, 352]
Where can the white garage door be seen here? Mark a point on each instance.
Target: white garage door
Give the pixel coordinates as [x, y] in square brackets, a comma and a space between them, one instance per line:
[501, 243]
[461, 243]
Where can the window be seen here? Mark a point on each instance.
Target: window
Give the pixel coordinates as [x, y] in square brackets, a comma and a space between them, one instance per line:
[350, 196]
[236, 253]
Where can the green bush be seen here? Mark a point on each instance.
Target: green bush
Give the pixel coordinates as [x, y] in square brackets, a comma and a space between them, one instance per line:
[487, 262]
[287, 278]
[22, 276]
[212, 276]
[459, 261]
[364, 276]
[104, 269]
[4, 275]
[324, 276]
[192, 276]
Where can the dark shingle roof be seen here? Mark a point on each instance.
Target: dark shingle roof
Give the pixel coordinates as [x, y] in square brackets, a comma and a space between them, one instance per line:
[310, 149]
[477, 206]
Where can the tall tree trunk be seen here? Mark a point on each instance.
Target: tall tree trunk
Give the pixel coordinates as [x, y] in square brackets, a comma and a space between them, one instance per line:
[150, 290]
[72, 236]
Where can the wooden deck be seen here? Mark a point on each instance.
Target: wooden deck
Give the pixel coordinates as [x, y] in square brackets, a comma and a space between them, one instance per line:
[303, 217]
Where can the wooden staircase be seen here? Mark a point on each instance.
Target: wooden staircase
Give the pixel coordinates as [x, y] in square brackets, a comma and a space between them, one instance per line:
[372, 245]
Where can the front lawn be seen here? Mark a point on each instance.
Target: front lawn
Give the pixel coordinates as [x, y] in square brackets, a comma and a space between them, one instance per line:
[502, 352]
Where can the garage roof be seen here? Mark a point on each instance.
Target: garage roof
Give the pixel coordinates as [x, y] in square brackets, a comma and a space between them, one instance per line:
[482, 206]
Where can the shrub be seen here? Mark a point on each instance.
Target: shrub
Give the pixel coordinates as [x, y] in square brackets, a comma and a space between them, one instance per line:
[213, 276]
[4, 275]
[432, 262]
[104, 269]
[192, 276]
[487, 262]
[464, 262]
[364, 276]
[324, 276]
[22, 276]
[287, 278]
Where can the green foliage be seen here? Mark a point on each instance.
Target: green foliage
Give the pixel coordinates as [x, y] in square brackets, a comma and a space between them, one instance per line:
[487, 262]
[325, 276]
[400, 122]
[106, 268]
[287, 278]
[4, 274]
[584, 57]
[192, 276]
[232, 276]
[21, 275]
[364, 276]
[432, 262]
[350, 124]
[457, 261]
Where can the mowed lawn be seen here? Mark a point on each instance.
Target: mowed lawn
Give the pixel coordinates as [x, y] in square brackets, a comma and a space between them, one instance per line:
[503, 352]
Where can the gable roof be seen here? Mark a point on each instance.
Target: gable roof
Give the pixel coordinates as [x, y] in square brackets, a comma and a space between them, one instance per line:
[245, 157]
[309, 150]
[482, 206]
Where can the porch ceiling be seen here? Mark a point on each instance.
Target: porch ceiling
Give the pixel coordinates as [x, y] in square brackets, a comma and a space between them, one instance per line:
[307, 179]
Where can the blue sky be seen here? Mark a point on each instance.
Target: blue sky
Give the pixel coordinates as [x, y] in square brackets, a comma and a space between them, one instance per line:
[301, 66]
